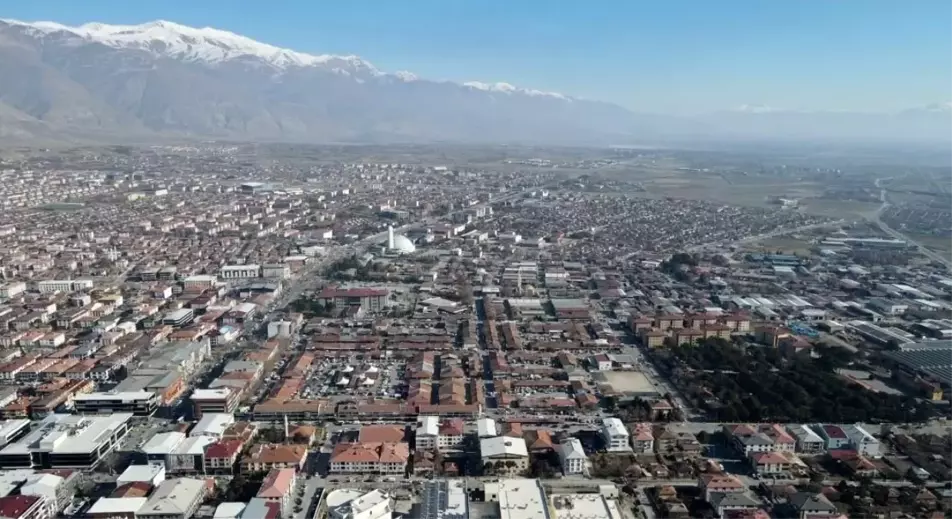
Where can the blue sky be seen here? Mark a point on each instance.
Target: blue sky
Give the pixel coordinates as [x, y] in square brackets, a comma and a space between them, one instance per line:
[671, 56]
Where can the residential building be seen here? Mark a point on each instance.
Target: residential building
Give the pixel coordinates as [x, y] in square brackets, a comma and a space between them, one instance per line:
[642, 438]
[834, 437]
[264, 457]
[221, 456]
[769, 462]
[116, 507]
[814, 506]
[615, 435]
[486, 428]
[807, 441]
[719, 484]
[23, 507]
[370, 458]
[278, 487]
[370, 299]
[219, 400]
[862, 441]
[176, 498]
[427, 432]
[572, 456]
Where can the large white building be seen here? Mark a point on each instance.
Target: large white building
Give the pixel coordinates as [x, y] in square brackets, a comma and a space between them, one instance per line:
[356, 504]
[505, 454]
[63, 285]
[615, 434]
[66, 441]
[518, 498]
[239, 271]
[572, 456]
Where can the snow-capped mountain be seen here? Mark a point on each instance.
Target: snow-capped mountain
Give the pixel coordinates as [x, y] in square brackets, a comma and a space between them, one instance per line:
[98, 81]
[174, 79]
[172, 40]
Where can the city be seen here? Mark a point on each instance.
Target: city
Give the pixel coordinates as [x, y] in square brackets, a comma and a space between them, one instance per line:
[245, 332]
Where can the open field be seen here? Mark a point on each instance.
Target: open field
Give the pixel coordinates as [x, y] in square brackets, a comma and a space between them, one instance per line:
[939, 244]
[783, 244]
[634, 382]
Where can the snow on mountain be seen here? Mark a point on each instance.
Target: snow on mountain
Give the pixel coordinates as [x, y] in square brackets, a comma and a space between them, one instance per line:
[215, 46]
[506, 88]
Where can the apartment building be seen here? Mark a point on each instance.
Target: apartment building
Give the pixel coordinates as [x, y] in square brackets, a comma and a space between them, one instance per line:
[370, 458]
[615, 435]
[572, 456]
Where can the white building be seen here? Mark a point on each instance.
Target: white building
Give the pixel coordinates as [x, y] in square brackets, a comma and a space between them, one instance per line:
[615, 435]
[505, 454]
[807, 441]
[279, 329]
[63, 285]
[67, 441]
[239, 271]
[174, 499]
[276, 271]
[212, 425]
[427, 432]
[862, 441]
[153, 474]
[486, 427]
[356, 504]
[518, 498]
[572, 457]
[199, 282]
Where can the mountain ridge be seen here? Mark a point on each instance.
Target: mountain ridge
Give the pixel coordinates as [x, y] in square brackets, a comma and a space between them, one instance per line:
[166, 79]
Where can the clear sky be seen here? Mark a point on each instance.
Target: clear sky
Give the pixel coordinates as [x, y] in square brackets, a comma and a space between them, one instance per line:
[672, 56]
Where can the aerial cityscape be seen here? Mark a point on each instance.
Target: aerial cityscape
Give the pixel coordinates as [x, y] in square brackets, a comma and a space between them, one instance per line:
[239, 281]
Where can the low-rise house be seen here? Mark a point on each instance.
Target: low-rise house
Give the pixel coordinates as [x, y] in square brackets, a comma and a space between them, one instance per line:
[806, 440]
[813, 506]
[769, 462]
[642, 438]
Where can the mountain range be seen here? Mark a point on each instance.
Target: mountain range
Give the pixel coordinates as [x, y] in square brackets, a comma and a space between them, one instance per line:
[166, 80]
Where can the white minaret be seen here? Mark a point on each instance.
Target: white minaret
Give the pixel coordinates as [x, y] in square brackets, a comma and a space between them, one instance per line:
[390, 237]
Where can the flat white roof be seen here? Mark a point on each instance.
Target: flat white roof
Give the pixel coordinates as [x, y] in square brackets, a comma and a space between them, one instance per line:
[9, 428]
[163, 443]
[212, 424]
[194, 445]
[173, 497]
[145, 473]
[486, 427]
[584, 506]
[69, 434]
[210, 394]
[429, 425]
[614, 427]
[503, 445]
[519, 498]
[116, 505]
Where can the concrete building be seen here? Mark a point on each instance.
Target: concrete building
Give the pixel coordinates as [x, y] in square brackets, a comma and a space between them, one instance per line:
[239, 272]
[278, 487]
[864, 443]
[615, 435]
[67, 441]
[518, 498]
[139, 403]
[220, 400]
[174, 499]
[506, 455]
[572, 457]
[357, 504]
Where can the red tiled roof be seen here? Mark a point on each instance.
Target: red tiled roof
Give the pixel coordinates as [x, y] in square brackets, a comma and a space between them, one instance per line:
[223, 449]
[13, 507]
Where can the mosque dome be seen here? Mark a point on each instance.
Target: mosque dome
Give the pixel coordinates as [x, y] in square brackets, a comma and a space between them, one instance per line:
[402, 244]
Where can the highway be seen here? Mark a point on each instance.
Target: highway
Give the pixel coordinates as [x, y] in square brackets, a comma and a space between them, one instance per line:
[877, 219]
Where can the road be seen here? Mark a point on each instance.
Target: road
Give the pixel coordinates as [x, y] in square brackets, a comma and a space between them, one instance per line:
[761, 237]
[877, 219]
